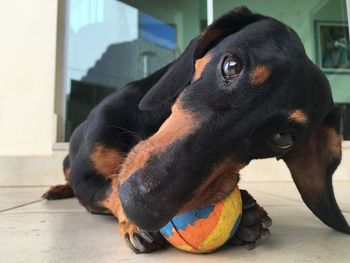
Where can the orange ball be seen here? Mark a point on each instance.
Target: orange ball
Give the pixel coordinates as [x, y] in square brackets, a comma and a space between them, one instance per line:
[206, 229]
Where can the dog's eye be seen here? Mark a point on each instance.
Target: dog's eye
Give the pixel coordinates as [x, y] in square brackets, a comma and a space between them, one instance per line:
[231, 67]
[283, 140]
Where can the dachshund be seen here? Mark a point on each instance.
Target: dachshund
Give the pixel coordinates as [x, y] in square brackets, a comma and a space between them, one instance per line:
[244, 89]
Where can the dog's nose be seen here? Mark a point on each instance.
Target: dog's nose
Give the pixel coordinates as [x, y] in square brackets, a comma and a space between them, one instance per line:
[143, 205]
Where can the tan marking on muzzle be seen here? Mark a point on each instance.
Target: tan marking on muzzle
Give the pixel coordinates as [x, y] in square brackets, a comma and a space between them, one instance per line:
[107, 161]
[218, 185]
[179, 124]
[299, 116]
[200, 66]
[111, 200]
[260, 74]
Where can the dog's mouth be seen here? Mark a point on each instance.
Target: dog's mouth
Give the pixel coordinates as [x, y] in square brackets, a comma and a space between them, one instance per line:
[150, 201]
[212, 190]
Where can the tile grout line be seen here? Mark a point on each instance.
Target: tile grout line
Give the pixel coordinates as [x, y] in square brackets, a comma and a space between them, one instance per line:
[22, 205]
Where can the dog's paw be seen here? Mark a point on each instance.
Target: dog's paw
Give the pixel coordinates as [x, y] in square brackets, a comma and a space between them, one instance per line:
[58, 192]
[141, 241]
[254, 224]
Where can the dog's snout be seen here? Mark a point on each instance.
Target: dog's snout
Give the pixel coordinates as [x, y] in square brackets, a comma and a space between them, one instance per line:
[142, 205]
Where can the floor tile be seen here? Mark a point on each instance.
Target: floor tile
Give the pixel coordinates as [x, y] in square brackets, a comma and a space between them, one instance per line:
[61, 231]
[14, 196]
[297, 236]
[52, 206]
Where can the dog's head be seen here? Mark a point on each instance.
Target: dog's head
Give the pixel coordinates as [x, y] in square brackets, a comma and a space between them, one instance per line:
[243, 90]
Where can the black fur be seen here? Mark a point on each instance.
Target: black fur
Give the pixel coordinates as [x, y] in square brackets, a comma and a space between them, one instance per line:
[118, 123]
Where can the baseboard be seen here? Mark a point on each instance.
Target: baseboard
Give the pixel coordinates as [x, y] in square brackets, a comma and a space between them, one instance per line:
[32, 170]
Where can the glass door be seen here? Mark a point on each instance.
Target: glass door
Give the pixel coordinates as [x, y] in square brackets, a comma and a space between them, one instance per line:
[110, 43]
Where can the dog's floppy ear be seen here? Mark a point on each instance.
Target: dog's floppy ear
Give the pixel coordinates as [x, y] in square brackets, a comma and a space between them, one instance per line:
[231, 22]
[180, 73]
[312, 165]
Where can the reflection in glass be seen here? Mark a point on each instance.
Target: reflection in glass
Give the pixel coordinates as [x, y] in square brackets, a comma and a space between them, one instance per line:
[110, 43]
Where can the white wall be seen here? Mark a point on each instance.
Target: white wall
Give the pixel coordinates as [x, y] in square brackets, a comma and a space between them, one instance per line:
[27, 76]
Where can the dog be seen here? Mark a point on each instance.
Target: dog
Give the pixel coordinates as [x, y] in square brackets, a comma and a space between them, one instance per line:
[242, 90]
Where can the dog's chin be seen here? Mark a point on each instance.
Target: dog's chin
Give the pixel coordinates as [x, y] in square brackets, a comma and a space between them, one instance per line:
[145, 209]
[211, 200]
[215, 191]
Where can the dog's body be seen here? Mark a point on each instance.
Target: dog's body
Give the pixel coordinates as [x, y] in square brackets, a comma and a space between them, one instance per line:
[176, 140]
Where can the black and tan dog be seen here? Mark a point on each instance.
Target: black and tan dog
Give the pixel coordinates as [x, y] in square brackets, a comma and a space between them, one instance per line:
[242, 90]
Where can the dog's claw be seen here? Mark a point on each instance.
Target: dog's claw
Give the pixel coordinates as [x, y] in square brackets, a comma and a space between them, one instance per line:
[265, 234]
[248, 200]
[266, 222]
[147, 236]
[254, 224]
[250, 246]
[141, 241]
[130, 245]
[138, 242]
[249, 234]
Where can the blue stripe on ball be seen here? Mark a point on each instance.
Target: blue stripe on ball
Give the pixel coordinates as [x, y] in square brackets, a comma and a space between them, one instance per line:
[167, 230]
[189, 218]
[185, 219]
[235, 227]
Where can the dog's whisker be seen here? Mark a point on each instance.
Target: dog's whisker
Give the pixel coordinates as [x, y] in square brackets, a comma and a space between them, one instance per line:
[125, 131]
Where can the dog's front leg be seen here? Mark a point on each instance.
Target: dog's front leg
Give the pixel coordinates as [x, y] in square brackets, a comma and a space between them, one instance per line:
[138, 240]
[255, 223]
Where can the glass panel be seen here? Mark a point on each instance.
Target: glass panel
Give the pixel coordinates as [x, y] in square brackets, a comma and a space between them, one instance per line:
[110, 43]
[323, 27]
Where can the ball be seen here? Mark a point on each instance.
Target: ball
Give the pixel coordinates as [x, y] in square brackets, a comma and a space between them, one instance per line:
[206, 229]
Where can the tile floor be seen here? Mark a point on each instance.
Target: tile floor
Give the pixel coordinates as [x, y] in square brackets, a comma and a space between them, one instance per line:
[35, 230]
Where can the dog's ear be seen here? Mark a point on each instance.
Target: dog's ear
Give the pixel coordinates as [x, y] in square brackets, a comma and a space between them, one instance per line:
[312, 165]
[180, 73]
[228, 24]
